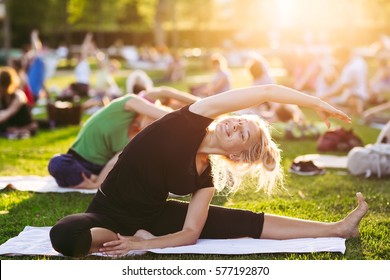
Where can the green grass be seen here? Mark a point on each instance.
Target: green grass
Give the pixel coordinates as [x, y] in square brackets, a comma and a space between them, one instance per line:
[324, 198]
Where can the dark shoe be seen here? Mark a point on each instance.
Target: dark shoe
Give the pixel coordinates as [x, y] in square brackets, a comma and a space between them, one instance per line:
[306, 168]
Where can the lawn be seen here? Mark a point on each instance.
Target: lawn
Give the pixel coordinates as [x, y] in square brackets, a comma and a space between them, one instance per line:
[326, 197]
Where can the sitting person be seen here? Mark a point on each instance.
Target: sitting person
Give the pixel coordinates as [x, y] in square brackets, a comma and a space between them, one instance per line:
[175, 69]
[306, 70]
[138, 78]
[168, 96]
[220, 82]
[99, 143]
[102, 138]
[17, 64]
[327, 75]
[350, 89]
[195, 150]
[16, 120]
[379, 84]
[377, 114]
[270, 111]
[81, 86]
[105, 82]
[106, 88]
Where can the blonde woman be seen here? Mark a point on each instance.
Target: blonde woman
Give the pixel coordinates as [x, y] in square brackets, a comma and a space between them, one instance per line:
[194, 150]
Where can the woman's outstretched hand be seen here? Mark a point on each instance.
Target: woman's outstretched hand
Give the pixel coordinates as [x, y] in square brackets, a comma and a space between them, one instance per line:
[326, 111]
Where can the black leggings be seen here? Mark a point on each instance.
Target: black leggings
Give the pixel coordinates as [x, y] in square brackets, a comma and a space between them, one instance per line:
[71, 236]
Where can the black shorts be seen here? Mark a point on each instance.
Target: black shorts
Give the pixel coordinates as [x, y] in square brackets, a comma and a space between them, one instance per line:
[71, 236]
[221, 222]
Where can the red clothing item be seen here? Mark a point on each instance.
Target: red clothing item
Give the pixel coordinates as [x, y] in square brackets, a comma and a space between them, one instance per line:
[30, 98]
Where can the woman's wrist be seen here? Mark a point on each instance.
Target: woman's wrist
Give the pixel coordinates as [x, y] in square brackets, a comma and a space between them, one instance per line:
[143, 245]
[316, 101]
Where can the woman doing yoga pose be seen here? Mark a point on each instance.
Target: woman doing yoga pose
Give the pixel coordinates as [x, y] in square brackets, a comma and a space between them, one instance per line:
[195, 150]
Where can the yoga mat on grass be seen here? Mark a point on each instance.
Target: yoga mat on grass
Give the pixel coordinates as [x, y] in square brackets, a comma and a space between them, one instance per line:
[42, 184]
[35, 241]
[325, 161]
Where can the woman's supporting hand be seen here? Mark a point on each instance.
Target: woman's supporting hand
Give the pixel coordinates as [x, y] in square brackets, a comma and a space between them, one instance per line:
[122, 246]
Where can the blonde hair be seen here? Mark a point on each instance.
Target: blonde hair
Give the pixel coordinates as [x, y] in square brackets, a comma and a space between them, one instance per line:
[261, 161]
[9, 79]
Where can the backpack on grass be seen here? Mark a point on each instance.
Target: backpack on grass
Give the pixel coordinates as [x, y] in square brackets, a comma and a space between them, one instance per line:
[62, 113]
[373, 159]
[338, 140]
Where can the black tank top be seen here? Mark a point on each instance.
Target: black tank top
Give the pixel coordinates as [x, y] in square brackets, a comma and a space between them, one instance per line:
[158, 161]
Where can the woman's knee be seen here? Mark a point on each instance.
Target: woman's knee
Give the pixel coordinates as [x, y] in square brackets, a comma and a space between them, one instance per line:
[69, 239]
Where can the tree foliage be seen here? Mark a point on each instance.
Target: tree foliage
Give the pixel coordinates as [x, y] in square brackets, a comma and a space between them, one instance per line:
[159, 17]
[26, 16]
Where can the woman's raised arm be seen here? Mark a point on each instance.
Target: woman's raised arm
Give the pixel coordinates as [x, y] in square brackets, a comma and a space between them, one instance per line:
[165, 92]
[242, 98]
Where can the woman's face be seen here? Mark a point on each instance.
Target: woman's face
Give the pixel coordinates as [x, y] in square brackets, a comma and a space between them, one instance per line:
[235, 134]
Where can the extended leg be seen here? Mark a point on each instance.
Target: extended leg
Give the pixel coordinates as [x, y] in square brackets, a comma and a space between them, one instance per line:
[277, 227]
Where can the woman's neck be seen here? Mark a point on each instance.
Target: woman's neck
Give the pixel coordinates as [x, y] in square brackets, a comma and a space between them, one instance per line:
[208, 146]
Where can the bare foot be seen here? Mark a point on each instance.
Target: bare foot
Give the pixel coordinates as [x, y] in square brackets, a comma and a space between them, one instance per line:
[143, 234]
[349, 226]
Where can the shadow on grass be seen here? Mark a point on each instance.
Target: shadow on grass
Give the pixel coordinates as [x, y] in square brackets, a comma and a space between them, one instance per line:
[354, 248]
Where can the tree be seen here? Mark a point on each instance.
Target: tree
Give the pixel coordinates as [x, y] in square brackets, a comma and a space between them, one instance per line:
[4, 19]
[26, 16]
[161, 18]
[162, 13]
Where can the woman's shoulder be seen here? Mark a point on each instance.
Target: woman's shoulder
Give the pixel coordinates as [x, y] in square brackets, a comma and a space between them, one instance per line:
[197, 111]
[20, 96]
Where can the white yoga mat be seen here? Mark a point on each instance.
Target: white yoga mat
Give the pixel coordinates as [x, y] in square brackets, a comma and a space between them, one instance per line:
[35, 241]
[325, 161]
[42, 184]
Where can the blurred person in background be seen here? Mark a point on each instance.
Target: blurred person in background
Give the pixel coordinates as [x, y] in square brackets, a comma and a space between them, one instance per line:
[16, 120]
[350, 89]
[221, 80]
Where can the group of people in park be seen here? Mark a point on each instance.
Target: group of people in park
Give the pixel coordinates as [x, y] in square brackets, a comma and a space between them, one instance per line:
[150, 142]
